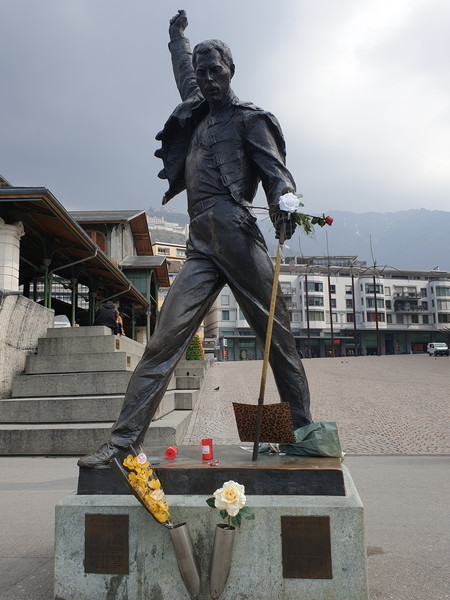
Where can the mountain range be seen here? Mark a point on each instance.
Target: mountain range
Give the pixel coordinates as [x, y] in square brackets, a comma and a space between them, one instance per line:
[408, 239]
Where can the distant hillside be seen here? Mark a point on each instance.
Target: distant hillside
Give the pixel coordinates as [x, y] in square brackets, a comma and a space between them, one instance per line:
[169, 215]
[408, 239]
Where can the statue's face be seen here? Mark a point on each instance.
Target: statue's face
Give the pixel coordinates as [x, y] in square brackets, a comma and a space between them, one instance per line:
[213, 76]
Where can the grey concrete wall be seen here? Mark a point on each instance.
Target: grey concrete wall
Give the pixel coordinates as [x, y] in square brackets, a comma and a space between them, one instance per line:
[22, 323]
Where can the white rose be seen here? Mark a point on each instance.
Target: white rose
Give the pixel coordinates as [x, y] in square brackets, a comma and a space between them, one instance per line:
[289, 202]
[231, 497]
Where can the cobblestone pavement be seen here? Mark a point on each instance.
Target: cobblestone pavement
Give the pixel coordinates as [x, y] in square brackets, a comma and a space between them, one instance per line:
[382, 404]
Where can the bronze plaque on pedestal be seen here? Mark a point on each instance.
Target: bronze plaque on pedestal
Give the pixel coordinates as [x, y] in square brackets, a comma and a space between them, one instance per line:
[306, 548]
[106, 544]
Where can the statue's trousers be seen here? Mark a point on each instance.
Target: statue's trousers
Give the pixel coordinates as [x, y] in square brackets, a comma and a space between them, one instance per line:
[225, 247]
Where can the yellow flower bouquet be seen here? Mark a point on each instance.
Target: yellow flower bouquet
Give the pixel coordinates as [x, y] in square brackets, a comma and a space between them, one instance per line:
[145, 485]
[137, 472]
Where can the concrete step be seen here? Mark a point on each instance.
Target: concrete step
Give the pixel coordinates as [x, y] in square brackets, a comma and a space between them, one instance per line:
[76, 332]
[186, 371]
[77, 439]
[168, 431]
[75, 409]
[57, 346]
[71, 384]
[184, 399]
[79, 363]
[68, 409]
[197, 368]
[188, 382]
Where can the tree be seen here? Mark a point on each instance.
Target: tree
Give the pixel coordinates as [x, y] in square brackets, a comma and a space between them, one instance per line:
[195, 350]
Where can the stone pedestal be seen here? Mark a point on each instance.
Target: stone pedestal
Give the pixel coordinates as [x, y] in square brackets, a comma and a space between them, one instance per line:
[297, 547]
[10, 255]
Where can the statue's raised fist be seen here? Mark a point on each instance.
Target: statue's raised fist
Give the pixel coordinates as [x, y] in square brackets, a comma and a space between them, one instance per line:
[178, 24]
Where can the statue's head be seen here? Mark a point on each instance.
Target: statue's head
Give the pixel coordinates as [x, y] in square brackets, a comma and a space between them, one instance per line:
[220, 47]
[214, 68]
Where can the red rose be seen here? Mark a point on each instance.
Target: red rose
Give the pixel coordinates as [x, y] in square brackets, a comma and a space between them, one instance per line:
[329, 220]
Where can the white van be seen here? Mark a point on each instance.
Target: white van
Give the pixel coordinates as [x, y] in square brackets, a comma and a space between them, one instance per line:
[437, 349]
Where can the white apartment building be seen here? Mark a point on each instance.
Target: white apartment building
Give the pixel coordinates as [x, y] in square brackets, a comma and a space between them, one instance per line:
[341, 307]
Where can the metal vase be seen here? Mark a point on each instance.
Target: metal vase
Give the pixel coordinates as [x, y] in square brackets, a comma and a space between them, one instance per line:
[186, 557]
[221, 559]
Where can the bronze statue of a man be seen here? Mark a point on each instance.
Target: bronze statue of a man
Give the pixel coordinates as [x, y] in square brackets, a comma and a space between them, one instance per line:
[218, 149]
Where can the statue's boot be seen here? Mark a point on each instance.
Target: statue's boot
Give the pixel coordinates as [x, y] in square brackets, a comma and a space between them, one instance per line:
[102, 457]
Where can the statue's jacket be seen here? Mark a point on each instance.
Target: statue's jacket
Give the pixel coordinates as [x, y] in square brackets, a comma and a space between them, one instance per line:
[247, 145]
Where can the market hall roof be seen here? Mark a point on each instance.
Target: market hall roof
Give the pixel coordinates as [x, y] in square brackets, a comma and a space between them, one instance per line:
[136, 218]
[52, 233]
[144, 262]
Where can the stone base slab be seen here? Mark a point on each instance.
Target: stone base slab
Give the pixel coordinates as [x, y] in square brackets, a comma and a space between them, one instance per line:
[189, 475]
[257, 564]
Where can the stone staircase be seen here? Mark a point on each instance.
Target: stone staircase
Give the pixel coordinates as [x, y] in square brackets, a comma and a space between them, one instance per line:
[72, 391]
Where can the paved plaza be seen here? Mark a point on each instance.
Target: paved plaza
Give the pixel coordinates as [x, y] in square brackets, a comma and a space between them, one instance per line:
[382, 404]
[392, 414]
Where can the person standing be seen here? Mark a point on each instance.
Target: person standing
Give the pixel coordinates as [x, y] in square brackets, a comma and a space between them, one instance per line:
[106, 316]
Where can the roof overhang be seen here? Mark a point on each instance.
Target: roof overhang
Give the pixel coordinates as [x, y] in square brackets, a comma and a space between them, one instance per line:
[136, 219]
[51, 233]
[158, 263]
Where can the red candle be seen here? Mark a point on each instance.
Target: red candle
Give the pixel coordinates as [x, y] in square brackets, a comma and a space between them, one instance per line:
[171, 452]
[207, 449]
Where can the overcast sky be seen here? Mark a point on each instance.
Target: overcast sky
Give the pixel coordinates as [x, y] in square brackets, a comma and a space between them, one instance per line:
[361, 89]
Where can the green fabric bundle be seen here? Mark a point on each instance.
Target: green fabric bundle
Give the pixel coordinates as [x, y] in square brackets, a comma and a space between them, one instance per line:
[316, 439]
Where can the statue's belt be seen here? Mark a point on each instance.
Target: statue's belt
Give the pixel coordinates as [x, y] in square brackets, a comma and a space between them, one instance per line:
[203, 205]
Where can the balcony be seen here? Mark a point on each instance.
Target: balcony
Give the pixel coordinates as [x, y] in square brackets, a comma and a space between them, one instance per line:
[407, 295]
[406, 307]
[291, 305]
[287, 291]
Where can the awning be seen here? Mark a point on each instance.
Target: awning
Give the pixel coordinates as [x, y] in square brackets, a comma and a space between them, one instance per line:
[52, 234]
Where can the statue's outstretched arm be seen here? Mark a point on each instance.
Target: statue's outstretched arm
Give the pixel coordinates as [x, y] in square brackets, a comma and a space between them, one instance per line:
[180, 50]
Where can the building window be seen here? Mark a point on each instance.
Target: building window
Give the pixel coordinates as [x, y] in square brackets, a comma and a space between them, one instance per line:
[370, 288]
[181, 253]
[370, 302]
[315, 300]
[414, 318]
[348, 289]
[99, 238]
[162, 250]
[349, 303]
[423, 292]
[241, 315]
[443, 317]
[316, 315]
[443, 304]
[372, 317]
[388, 304]
[425, 320]
[225, 300]
[387, 291]
[424, 305]
[442, 291]
[349, 317]
[225, 315]
[295, 317]
[333, 302]
[315, 286]
[399, 319]
[332, 289]
[388, 318]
